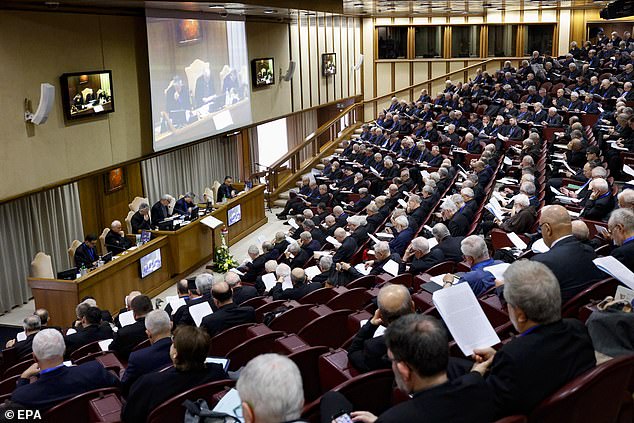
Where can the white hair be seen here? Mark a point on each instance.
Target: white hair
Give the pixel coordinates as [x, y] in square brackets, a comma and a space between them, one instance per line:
[282, 270]
[382, 247]
[270, 266]
[157, 321]
[402, 221]
[253, 249]
[325, 263]
[420, 244]
[440, 231]
[204, 282]
[474, 246]
[521, 200]
[272, 386]
[48, 344]
[449, 205]
[232, 279]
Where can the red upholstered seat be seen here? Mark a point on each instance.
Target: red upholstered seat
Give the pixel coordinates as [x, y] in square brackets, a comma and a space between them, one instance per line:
[18, 368]
[294, 319]
[362, 282]
[335, 369]
[76, 409]
[306, 360]
[321, 331]
[93, 347]
[353, 299]
[319, 296]
[222, 343]
[262, 344]
[597, 291]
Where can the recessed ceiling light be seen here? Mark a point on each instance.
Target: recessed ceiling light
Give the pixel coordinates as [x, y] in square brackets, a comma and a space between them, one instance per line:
[270, 11]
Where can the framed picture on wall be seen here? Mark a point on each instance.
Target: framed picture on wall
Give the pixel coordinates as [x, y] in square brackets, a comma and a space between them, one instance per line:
[328, 64]
[114, 180]
[188, 31]
[262, 72]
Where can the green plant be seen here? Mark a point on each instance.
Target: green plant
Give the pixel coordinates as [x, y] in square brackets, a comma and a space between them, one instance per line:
[223, 259]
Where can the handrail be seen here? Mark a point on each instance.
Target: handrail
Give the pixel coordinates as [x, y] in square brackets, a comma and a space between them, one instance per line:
[311, 137]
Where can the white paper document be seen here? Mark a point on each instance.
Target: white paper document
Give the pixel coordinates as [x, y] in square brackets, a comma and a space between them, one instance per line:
[517, 241]
[224, 362]
[391, 267]
[362, 269]
[333, 241]
[463, 315]
[627, 169]
[497, 270]
[199, 311]
[508, 161]
[126, 318]
[556, 191]
[402, 203]
[229, 404]
[287, 284]
[269, 281]
[432, 242]
[293, 224]
[373, 238]
[379, 331]
[236, 271]
[105, 344]
[623, 293]
[212, 222]
[384, 235]
[21, 336]
[70, 331]
[616, 269]
[312, 271]
[175, 302]
[496, 212]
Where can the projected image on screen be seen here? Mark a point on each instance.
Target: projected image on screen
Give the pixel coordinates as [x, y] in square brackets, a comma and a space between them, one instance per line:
[150, 263]
[199, 79]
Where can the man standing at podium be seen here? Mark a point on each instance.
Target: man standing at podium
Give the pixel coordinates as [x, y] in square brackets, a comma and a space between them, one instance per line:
[226, 190]
[86, 253]
[160, 211]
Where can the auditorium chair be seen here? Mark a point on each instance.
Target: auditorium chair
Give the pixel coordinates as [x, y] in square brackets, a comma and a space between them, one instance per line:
[103, 250]
[214, 187]
[405, 279]
[441, 268]
[320, 331]
[366, 282]
[353, 299]
[269, 306]
[500, 239]
[598, 395]
[7, 385]
[42, 266]
[230, 338]
[422, 301]
[172, 410]
[255, 302]
[77, 408]
[318, 296]
[134, 205]
[306, 360]
[289, 344]
[292, 320]
[355, 319]
[83, 351]
[128, 221]
[243, 353]
[208, 196]
[106, 358]
[592, 294]
[71, 251]
[18, 368]
[143, 344]
[334, 369]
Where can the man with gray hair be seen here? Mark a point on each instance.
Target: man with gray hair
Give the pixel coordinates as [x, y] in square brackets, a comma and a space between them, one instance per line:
[199, 292]
[185, 204]
[382, 255]
[600, 203]
[626, 199]
[271, 391]
[240, 293]
[269, 267]
[450, 245]
[297, 255]
[31, 325]
[403, 235]
[255, 263]
[57, 382]
[153, 358]
[347, 248]
[362, 202]
[421, 257]
[326, 269]
[476, 254]
[301, 286]
[549, 351]
[357, 228]
[116, 241]
[160, 210]
[621, 226]
[307, 242]
[457, 223]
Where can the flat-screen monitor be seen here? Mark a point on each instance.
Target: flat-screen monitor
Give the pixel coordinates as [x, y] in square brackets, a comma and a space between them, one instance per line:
[199, 79]
[86, 94]
[328, 64]
[234, 215]
[262, 72]
[150, 263]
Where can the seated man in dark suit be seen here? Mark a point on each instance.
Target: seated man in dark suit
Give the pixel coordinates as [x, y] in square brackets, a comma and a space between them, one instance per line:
[568, 259]
[160, 211]
[116, 241]
[199, 292]
[600, 202]
[450, 245]
[130, 336]
[189, 352]
[301, 286]
[90, 330]
[348, 246]
[228, 314]
[253, 268]
[153, 358]
[422, 258]
[86, 254]
[419, 353]
[367, 352]
[31, 326]
[549, 352]
[57, 382]
[403, 234]
[621, 226]
[457, 223]
[297, 255]
[182, 291]
[185, 205]
[225, 190]
[240, 293]
[141, 219]
[326, 268]
[382, 256]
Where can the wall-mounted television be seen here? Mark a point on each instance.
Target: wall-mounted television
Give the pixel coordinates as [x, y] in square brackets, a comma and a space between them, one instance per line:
[234, 215]
[263, 72]
[87, 94]
[150, 263]
[328, 64]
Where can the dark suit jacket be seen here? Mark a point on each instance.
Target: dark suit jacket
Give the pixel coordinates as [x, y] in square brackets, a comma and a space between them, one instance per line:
[624, 254]
[87, 335]
[62, 383]
[294, 293]
[598, 209]
[521, 222]
[152, 389]
[182, 207]
[345, 252]
[450, 247]
[182, 315]
[255, 268]
[226, 317]
[25, 347]
[128, 337]
[139, 223]
[146, 360]
[301, 258]
[85, 255]
[244, 293]
[367, 353]
[435, 256]
[458, 225]
[399, 243]
[158, 213]
[373, 222]
[571, 262]
[224, 192]
[531, 367]
[116, 243]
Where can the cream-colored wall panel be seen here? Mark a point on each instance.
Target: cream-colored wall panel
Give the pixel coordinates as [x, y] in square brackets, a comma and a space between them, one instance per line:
[383, 21]
[457, 19]
[564, 32]
[420, 21]
[383, 78]
[531, 16]
[322, 48]
[512, 16]
[341, 32]
[296, 52]
[315, 87]
[494, 16]
[421, 72]
[401, 75]
[307, 73]
[332, 81]
[265, 40]
[401, 21]
[475, 19]
[368, 59]
[453, 66]
[550, 15]
[437, 69]
[367, 68]
[438, 19]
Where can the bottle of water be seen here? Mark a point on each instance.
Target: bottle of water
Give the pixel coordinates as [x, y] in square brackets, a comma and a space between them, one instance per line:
[100, 262]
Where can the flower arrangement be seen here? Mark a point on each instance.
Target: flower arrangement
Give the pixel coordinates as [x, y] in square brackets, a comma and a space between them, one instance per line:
[223, 260]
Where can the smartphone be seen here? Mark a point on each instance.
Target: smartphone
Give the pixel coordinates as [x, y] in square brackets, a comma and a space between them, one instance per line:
[342, 418]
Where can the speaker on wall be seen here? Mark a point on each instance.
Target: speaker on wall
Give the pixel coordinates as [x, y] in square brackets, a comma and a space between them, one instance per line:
[47, 97]
[289, 73]
[357, 66]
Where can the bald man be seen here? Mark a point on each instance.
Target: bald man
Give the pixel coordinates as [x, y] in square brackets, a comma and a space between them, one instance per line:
[301, 287]
[116, 241]
[228, 314]
[367, 353]
[568, 259]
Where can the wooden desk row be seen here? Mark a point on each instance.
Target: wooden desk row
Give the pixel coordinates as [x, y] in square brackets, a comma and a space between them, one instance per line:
[182, 252]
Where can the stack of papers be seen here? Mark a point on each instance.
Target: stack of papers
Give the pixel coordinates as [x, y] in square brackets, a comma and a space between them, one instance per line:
[21, 336]
[312, 271]
[212, 222]
[333, 241]
[362, 269]
[616, 269]
[391, 267]
[293, 224]
[384, 235]
[463, 315]
[229, 404]
[269, 281]
[627, 169]
[498, 270]
[199, 311]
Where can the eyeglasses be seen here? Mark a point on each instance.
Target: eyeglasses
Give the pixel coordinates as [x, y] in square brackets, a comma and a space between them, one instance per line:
[237, 412]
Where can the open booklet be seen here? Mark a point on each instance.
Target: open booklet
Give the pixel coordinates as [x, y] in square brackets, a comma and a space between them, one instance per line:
[463, 315]
[616, 269]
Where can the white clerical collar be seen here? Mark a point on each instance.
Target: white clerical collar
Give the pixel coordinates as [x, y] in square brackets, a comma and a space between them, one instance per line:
[559, 239]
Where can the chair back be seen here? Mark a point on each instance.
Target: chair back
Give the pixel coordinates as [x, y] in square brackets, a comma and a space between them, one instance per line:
[18, 368]
[353, 299]
[77, 408]
[134, 205]
[71, 251]
[42, 266]
[441, 268]
[214, 188]
[366, 282]
[103, 249]
[306, 360]
[193, 72]
[320, 331]
[83, 351]
[243, 353]
[292, 320]
[226, 340]
[128, 221]
[143, 344]
[208, 196]
[590, 397]
[597, 291]
[318, 296]
[172, 410]
[172, 203]
[7, 385]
